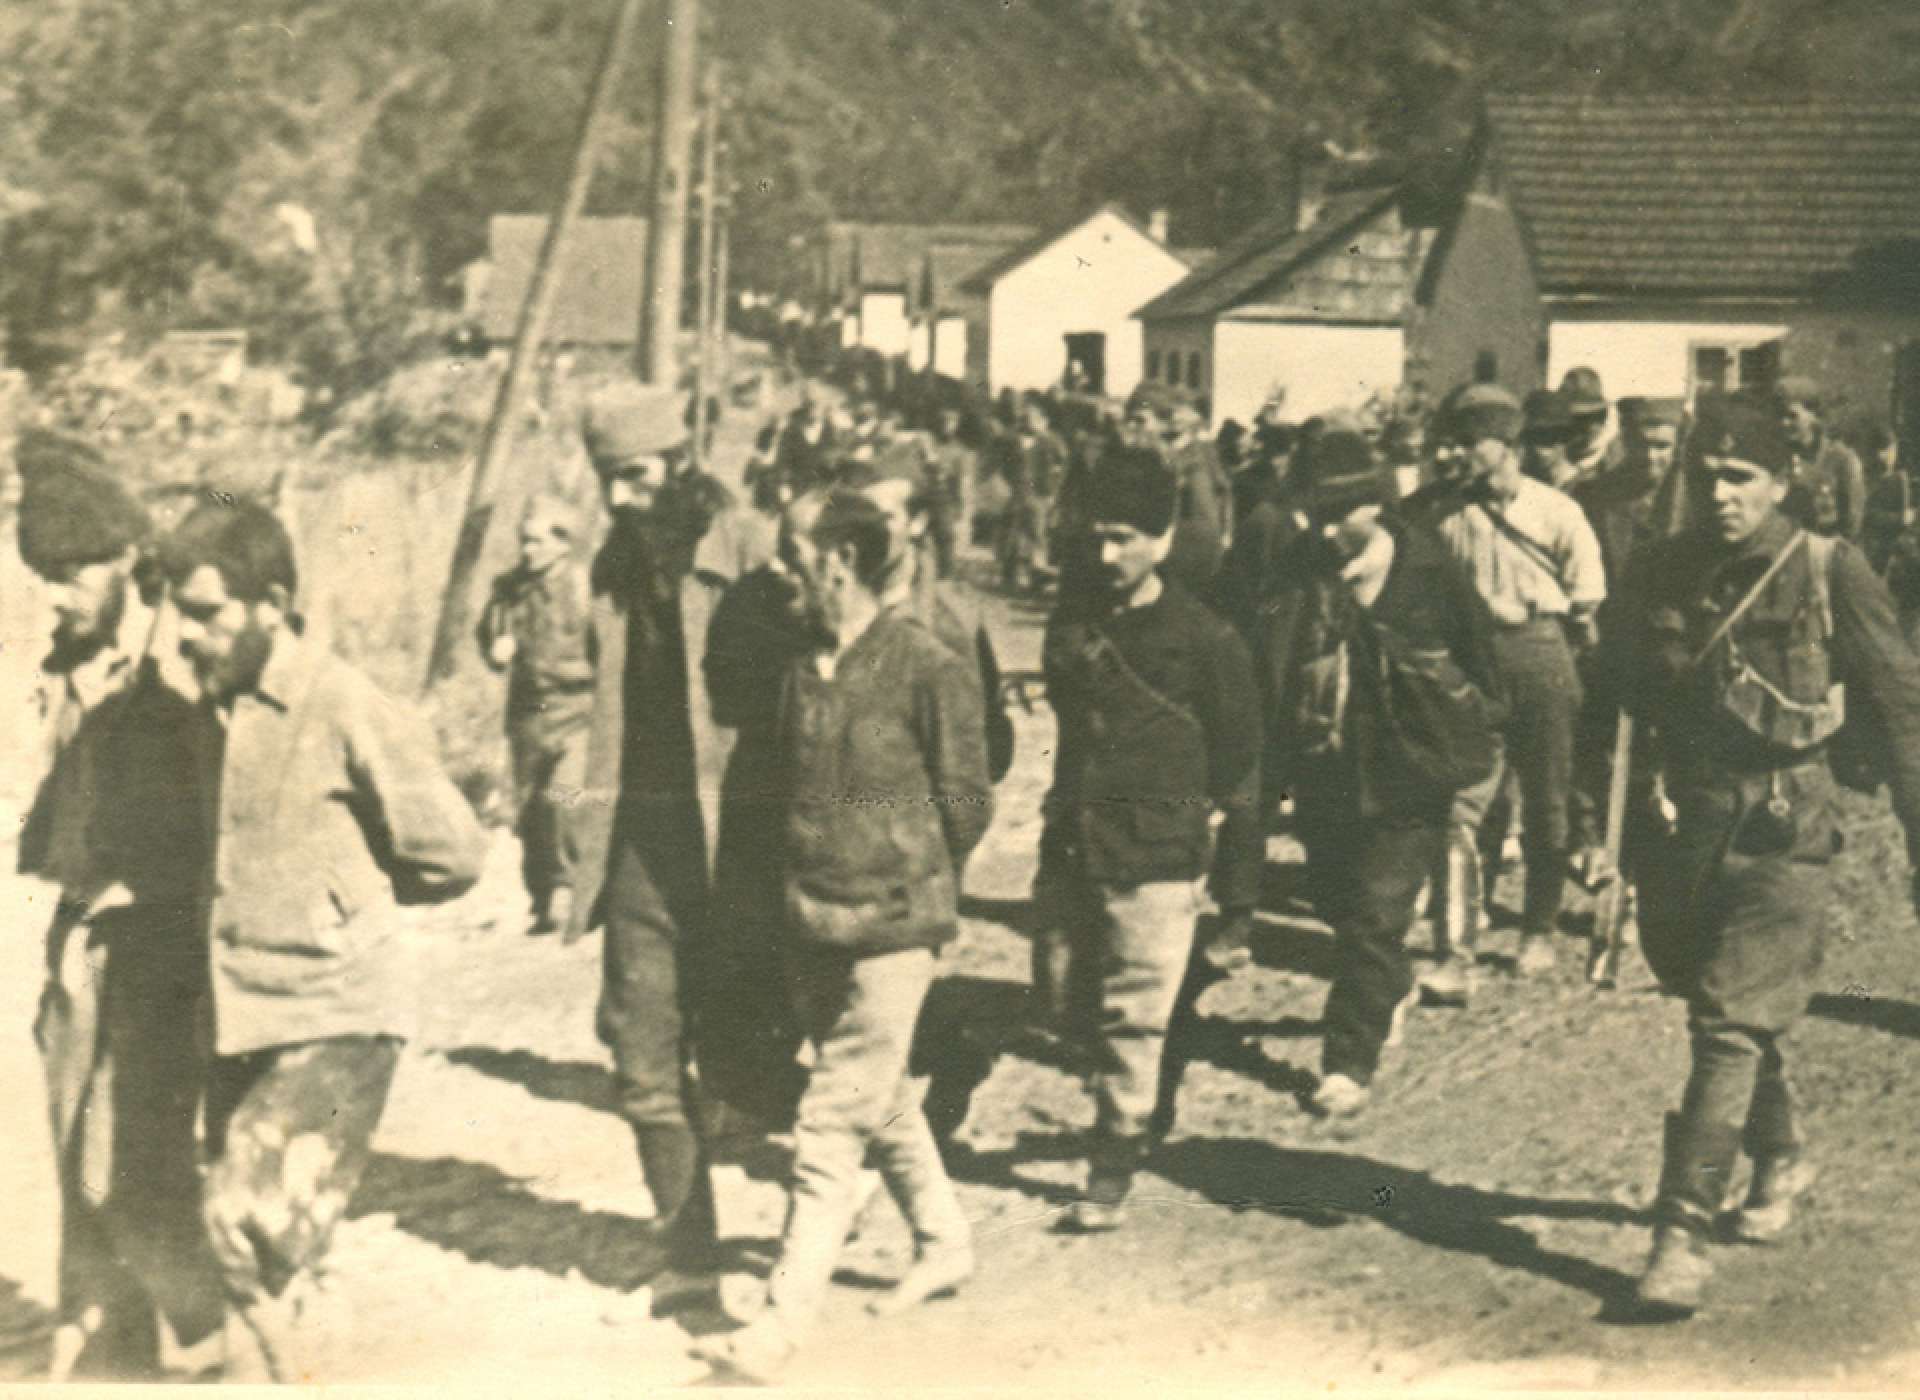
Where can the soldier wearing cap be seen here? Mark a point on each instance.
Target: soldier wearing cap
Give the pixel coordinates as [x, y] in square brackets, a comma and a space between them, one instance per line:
[1828, 492]
[1742, 644]
[1594, 445]
[1159, 730]
[535, 627]
[1358, 579]
[644, 833]
[1533, 558]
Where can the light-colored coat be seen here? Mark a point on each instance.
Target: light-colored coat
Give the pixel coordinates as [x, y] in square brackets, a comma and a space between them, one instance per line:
[328, 808]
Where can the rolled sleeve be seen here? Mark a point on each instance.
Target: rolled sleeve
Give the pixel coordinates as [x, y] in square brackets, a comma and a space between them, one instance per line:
[1583, 571]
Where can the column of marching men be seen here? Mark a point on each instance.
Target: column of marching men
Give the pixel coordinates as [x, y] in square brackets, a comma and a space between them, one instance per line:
[1257, 629]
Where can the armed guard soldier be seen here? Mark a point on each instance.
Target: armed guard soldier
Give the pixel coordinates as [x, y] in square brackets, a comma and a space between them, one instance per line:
[1629, 507]
[1828, 491]
[535, 627]
[1736, 639]
[1159, 728]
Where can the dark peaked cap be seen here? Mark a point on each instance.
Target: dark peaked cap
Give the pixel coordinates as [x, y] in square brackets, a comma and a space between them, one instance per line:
[72, 510]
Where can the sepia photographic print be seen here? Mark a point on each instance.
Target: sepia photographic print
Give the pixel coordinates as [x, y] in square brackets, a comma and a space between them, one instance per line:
[1199, 695]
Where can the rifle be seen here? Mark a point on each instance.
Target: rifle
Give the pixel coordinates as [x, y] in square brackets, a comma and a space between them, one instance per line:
[1609, 927]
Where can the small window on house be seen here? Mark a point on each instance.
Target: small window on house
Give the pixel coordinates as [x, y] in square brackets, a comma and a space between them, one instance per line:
[1153, 364]
[1712, 367]
[1193, 370]
[1486, 368]
[1727, 366]
[1760, 365]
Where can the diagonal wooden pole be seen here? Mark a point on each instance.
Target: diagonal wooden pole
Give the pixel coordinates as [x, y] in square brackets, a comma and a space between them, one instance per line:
[503, 425]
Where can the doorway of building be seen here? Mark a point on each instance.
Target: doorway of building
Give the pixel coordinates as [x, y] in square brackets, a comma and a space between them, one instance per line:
[1087, 361]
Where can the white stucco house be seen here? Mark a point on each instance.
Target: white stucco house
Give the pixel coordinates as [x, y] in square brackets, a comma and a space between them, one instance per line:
[1320, 309]
[874, 271]
[1069, 295]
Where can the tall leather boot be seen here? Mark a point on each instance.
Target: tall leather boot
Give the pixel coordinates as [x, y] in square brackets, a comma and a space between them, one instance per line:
[676, 1173]
[1781, 1172]
[1697, 1160]
[1545, 890]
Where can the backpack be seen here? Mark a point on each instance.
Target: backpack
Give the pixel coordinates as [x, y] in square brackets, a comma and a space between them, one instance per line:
[1437, 726]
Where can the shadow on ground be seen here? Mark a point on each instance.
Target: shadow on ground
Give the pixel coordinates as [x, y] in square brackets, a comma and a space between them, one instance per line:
[486, 1216]
[1900, 1018]
[562, 1081]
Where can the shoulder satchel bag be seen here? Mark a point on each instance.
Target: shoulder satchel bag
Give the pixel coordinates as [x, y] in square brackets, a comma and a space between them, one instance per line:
[1437, 724]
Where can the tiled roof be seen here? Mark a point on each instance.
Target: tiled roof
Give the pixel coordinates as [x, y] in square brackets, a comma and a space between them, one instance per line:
[1680, 197]
[894, 255]
[597, 301]
[949, 266]
[1268, 250]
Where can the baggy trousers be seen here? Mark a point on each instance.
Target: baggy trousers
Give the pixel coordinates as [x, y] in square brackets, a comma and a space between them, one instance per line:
[124, 1036]
[655, 902]
[1740, 935]
[1140, 937]
[289, 1133]
[1370, 870]
[1544, 697]
[861, 1105]
[548, 775]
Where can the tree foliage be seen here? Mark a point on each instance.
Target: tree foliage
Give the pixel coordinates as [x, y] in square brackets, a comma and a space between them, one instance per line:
[148, 145]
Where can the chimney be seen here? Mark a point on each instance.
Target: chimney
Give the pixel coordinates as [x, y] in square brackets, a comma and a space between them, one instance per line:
[1157, 226]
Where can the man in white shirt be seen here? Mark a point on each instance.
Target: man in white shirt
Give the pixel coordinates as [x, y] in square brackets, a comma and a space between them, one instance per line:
[1531, 553]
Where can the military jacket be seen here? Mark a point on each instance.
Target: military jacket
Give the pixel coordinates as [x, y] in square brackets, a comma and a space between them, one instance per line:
[1799, 643]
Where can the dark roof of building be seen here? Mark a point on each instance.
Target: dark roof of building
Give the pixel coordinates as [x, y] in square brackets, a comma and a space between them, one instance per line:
[1038, 243]
[950, 266]
[893, 255]
[1267, 251]
[1699, 198]
[597, 299]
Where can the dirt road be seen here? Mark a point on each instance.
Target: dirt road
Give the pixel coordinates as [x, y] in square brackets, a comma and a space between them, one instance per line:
[1480, 1226]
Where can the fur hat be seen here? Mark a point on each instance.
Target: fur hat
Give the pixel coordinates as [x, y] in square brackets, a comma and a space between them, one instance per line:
[72, 510]
[1133, 486]
[632, 421]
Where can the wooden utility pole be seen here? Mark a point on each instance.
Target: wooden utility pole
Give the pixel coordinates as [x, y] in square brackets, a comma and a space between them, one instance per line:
[723, 203]
[709, 206]
[667, 228]
[503, 424]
